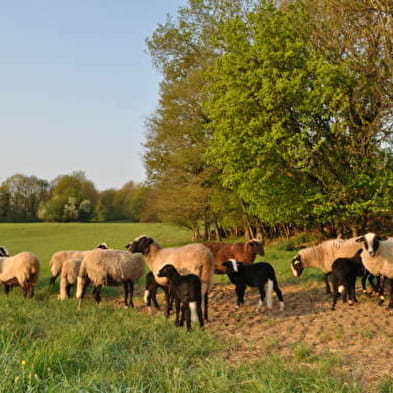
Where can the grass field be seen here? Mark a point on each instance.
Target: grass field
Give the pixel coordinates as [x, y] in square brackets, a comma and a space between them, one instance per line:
[48, 346]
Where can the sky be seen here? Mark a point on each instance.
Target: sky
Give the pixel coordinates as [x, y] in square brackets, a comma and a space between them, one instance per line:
[76, 86]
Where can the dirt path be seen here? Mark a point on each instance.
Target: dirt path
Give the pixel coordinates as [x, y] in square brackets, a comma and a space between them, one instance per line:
[361, 335]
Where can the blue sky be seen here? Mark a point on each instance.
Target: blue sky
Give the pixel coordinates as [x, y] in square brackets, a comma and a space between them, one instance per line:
[76, 86]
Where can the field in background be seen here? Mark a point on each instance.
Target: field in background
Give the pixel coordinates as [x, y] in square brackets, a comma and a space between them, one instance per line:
[48, 346]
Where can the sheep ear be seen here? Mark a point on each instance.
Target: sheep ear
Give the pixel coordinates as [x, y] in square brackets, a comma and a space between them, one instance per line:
[361, 239]
[382, 238]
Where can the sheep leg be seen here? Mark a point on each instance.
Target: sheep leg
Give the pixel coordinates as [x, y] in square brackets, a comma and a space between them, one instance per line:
[52, 280]
[278, 292]
[187, 311]
[125, 287]
[177, 306]
[390, 305]
[261, 297]
[7, 288]
[97, 295]
[169, 301]
[153, 296]
[131, 294]
[184, 307]
[352, 289]
[240, 289]
[205, 301]
[381, 289]
[68, 290]
[199, 311]
[326, 279]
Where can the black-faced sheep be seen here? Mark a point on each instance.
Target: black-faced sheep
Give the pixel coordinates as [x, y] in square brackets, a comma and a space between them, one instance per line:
[377, 257]
[58, 258]
[259, 275]
[187, 294]
[323, 255]
[151, 286]
[111, 268]
[241, 252]
[344, 273]
[192, 258]
[68, 277]
[20, 270]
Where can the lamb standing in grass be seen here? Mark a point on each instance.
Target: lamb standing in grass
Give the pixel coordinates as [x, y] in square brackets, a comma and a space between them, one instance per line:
[20, 270]
[187, 295]
[112, 268]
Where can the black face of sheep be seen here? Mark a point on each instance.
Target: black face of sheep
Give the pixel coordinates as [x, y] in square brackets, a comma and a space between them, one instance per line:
[371, 242]
[4, 252]
[140, 244]
[166, 271]
[297, 266]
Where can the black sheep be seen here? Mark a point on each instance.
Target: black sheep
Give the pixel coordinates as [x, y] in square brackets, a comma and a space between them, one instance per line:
[187, 293]
[258, 276]
[344, 273]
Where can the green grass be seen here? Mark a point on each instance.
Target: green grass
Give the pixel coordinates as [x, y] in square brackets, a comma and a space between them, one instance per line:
[48, 346]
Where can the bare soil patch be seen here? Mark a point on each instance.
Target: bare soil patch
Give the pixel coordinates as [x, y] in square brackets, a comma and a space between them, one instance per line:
[361, 335]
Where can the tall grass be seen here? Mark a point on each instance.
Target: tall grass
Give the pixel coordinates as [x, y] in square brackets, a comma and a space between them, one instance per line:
[48, 346]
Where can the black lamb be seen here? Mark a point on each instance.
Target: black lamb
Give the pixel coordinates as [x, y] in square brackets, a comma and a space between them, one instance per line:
[187, 293]
[258, 275]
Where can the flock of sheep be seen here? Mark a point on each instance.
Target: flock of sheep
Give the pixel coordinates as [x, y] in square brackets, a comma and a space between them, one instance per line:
[185, 273]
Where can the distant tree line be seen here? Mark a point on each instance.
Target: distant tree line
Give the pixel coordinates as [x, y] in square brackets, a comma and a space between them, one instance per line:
[69, 198]
[273, 119]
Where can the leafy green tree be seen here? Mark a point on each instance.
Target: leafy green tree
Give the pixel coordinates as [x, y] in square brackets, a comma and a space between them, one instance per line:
[281, 116]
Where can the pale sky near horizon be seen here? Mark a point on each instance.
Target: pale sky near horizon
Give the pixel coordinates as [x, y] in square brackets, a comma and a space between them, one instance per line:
[76, 86]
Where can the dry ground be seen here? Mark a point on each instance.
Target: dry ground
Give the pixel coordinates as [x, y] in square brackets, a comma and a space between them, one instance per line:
[360, 335]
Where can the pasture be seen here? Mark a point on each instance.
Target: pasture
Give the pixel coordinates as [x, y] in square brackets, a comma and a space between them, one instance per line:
[48, 346]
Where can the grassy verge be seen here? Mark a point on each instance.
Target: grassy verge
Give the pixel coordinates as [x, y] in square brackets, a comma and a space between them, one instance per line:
[48, 346]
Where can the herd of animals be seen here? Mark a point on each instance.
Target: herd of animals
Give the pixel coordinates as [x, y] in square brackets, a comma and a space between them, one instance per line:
[185, 273]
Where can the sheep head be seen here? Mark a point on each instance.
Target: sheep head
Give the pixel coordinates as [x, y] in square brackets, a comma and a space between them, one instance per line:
[4, 252]
[167, 271]
[103, 246]
[371, 242]
[140, 244]
[297, 266]
[256, 246]
[232, 266]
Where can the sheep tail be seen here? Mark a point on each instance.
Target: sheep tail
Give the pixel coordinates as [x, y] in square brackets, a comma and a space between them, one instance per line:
[193, 309]
[341, 289]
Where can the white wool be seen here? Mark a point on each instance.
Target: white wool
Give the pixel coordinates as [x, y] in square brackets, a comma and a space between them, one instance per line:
[193, 309]
[269, 291]
[234, 265]
[146, 295]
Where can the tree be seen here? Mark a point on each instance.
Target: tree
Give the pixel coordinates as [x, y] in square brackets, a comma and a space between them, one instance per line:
[183, 49]
[281, 116]
[20, 196]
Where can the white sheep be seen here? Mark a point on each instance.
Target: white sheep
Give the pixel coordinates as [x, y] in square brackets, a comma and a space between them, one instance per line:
[377, 258]
[323, 255]
[192, 258]
[20, 270]
[111, 268]
[59, 257]
[68, 277]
